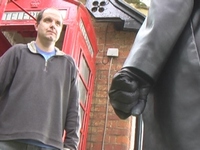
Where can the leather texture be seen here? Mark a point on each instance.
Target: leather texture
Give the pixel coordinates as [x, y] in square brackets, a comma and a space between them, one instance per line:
[128, 93]
[167, 48]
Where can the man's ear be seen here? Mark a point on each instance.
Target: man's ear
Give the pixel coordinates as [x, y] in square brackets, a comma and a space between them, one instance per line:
[36, 26]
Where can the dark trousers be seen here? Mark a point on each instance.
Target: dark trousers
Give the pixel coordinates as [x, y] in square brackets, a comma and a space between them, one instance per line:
[13, 145]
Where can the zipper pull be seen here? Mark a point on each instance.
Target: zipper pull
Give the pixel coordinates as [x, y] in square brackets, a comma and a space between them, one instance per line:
[45, 66]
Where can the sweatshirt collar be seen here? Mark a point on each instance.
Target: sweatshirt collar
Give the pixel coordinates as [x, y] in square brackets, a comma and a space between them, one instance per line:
[32, 48]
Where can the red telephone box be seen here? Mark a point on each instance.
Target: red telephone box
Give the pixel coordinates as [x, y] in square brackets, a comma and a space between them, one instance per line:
[77, 39]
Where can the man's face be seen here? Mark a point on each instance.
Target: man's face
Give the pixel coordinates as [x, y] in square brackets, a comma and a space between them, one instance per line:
[50, 26]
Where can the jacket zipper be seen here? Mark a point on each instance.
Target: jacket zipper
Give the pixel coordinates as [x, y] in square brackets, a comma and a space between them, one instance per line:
[45, 66]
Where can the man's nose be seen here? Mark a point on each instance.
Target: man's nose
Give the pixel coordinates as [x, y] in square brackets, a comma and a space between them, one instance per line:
[53, 24]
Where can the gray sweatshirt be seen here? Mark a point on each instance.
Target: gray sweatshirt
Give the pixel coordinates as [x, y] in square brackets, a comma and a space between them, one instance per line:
[39, 99]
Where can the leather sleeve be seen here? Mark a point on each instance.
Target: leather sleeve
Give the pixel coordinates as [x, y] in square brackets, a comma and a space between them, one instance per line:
[157, 36]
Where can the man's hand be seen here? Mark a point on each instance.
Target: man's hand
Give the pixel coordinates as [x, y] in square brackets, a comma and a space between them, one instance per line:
[128, 94]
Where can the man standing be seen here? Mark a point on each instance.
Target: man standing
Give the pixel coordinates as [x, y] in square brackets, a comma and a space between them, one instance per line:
[166, 58]
[39, 96]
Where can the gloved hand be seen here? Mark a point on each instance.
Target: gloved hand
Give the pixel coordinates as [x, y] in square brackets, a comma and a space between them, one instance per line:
[128, 93]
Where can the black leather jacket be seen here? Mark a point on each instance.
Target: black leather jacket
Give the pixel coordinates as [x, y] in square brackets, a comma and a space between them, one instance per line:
[167, 49]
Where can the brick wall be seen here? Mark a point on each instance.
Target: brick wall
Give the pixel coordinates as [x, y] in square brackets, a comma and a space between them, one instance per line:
[118, 132]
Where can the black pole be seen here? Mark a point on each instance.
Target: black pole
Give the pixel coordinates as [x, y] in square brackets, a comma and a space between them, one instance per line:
[138, 133]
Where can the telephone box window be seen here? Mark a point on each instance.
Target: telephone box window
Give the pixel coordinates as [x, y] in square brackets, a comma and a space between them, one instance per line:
[83, 91]
[82, 114]
[84, 69]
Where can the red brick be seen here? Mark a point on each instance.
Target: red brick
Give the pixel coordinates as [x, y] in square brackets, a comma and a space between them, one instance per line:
[122, 140]
[117, 131]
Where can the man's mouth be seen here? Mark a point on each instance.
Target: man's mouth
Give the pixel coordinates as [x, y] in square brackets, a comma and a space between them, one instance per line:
[51, 32]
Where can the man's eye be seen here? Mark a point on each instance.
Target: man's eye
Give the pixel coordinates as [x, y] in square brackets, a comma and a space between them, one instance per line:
[47, 20]
[58, 23]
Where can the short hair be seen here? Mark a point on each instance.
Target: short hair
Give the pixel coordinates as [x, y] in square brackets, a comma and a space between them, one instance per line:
[39, 16]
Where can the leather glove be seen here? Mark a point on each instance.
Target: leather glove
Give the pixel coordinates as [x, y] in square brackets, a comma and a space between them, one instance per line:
[128, 93]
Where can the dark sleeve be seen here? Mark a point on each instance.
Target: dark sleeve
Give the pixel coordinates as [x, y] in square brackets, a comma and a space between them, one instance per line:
[157, 36]
[8, 66]
[73, 122]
